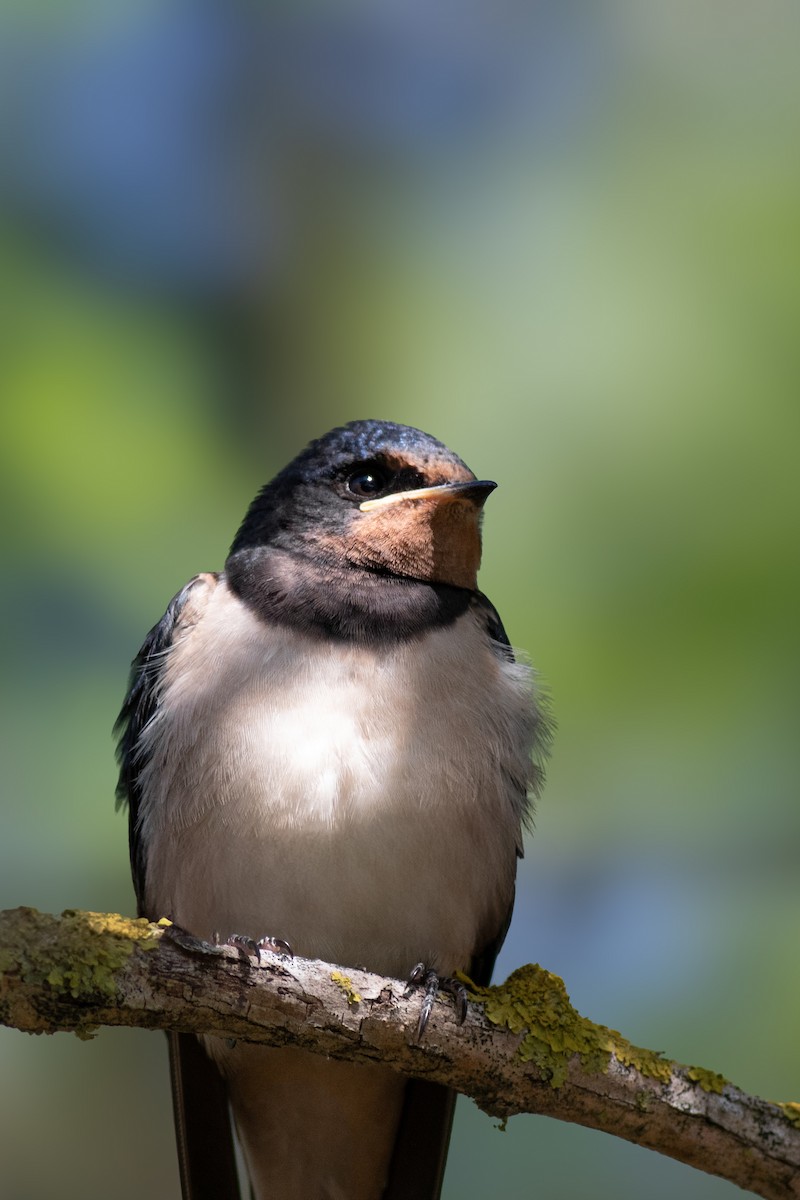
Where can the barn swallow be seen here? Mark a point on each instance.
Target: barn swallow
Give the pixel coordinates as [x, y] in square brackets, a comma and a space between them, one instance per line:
[330, 742]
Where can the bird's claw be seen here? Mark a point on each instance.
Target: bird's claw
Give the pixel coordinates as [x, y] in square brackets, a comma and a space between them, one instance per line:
[250, 948]
[275, 945]
[246, 946]
[422, 976]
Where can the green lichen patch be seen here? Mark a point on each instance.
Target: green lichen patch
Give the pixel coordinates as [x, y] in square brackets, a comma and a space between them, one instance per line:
[649, 1062]
[709, 1081]
[346, 984]
[534, 1002]
[77, 953]
[791, 1111]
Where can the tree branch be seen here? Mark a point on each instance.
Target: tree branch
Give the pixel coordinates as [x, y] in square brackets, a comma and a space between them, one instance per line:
[522, 1048]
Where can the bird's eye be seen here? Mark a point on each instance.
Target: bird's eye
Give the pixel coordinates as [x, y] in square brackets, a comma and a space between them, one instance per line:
[368, 482]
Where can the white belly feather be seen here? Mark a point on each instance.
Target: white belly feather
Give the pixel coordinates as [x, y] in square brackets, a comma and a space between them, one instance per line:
[354, 801]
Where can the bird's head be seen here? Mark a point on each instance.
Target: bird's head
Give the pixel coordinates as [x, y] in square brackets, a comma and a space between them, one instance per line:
[378, 496]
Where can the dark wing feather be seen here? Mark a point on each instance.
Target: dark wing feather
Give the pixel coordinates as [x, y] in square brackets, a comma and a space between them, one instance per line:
[203, 1134]
[494, 626]
[139, 707]
[202, 1122]
[420, 1148]
[484, 958]
[542, 727]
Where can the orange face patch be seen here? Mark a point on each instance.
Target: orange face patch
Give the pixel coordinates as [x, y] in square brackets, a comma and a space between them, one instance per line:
[435, 538]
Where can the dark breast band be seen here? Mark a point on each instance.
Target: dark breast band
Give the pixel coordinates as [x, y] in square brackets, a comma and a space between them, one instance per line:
[342, 602]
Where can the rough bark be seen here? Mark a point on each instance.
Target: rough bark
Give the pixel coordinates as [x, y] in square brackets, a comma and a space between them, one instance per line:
[522, 1048]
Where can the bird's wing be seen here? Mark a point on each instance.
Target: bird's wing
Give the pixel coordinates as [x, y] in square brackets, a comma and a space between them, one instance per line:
[542, 725]
[203, 1134]
[488, 614]
[200, 1102]
[423, 1136]
[140, 706]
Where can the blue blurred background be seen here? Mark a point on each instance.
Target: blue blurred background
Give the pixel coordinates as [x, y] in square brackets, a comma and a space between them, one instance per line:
[562, 237]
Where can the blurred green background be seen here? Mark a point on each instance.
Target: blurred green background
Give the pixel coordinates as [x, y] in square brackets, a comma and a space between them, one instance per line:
[564, 239]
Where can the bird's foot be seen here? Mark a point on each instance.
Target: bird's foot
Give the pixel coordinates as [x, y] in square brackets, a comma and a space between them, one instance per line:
[422, 976]
[250, 948]
[246, 946]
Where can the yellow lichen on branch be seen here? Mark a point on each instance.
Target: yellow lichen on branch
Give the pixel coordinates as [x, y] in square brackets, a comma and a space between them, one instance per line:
[534, 1003]
[346, 984]
[79, 956]
[792, 1111]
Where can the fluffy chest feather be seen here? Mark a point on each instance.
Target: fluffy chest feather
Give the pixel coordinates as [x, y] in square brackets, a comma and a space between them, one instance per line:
[363, 803]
